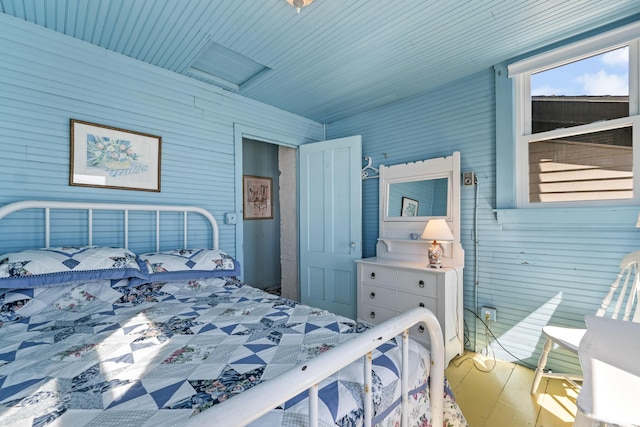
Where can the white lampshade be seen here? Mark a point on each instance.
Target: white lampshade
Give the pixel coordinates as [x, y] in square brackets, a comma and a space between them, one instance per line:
[438, 230]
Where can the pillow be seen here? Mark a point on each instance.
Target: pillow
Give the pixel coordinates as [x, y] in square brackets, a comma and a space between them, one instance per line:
[182, 264]
[53, 266]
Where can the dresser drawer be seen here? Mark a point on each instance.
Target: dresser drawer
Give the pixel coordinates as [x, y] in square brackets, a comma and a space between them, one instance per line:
[396, 300]
[374, 314]
[420, 334]
[403, 280]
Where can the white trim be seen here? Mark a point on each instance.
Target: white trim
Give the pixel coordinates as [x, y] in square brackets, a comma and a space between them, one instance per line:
[241, 131]
[578, 50]
[521, 72]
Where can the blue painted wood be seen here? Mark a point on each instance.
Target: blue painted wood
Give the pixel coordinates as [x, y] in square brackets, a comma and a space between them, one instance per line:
[536, 268]
[48, 78]
[535, 272]
[505, 137]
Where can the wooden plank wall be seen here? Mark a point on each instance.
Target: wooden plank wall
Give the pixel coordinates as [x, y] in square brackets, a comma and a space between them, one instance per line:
[47, 78]
[542, 267]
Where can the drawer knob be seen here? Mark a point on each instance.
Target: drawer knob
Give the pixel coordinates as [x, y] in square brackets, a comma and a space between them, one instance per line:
[372, 295]
[421, 304]
[372, 315]
[421, 283]
[421, 329]
[373, 275]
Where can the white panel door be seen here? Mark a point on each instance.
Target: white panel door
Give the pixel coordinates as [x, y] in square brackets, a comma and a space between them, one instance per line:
[330, 223]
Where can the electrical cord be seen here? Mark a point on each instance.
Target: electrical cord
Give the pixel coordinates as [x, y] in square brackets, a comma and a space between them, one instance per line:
[465, 334]
[460, 360]
[489, 332]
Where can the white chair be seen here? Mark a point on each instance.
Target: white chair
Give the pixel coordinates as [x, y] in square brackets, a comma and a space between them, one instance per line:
[625, 306]
[610, 389]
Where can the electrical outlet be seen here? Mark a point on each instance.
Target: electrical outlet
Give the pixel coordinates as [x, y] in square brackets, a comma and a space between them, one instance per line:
[489, 314]
[230, 218]
[468, 179]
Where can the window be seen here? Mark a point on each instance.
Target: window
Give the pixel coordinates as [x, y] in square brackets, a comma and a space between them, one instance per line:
[577, 124]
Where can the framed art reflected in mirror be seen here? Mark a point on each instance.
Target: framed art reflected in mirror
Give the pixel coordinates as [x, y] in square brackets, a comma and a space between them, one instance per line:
[409, 207]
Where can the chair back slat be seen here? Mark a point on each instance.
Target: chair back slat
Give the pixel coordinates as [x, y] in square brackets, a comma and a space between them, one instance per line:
[632, 295]
[635, 294]
[607, 299]
[621, 295]
[626, 303]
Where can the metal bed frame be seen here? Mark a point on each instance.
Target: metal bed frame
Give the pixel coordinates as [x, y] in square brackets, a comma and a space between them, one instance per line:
[259, 400]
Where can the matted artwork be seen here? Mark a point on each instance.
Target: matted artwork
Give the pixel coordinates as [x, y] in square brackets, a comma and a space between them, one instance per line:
[108, 157]
[257, 197]
[409, 207]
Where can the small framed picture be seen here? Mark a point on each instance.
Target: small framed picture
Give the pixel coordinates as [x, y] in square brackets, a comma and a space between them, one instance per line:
[108, 157]
[257, 197]
[409, 207]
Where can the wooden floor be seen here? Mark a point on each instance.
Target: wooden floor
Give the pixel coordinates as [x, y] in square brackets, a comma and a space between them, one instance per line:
[497, 394]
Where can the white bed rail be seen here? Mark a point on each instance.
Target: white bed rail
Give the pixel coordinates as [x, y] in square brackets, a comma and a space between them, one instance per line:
[262, 398]
[48, 205]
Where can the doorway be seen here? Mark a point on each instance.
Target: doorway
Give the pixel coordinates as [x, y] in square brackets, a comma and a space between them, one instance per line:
[270, 245]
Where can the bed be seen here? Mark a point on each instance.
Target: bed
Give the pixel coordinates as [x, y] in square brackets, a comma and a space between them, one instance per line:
[97, 334]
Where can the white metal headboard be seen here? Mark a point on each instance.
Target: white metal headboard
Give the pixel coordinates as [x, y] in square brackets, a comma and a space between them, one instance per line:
[90, 207]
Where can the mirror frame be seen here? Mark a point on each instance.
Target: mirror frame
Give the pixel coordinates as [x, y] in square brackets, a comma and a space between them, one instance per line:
[400, 228]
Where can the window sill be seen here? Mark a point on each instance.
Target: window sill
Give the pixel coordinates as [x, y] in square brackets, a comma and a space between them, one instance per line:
[604, 218]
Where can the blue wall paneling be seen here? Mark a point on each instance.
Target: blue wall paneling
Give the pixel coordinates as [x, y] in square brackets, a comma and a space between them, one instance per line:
[550, 266]
[48, 78]
[536, 268]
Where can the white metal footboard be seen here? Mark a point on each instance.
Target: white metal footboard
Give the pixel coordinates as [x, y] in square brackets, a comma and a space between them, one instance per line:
[257, 401]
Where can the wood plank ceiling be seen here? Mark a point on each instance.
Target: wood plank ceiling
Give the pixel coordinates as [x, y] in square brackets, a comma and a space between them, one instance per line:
[334, 59]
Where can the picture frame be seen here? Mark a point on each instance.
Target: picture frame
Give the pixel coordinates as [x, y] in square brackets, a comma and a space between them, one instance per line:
[409, 207]
[257, 197]
[109, 157]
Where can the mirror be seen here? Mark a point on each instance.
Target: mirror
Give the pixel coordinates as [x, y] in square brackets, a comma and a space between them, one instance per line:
[409, 195]
[422, 198]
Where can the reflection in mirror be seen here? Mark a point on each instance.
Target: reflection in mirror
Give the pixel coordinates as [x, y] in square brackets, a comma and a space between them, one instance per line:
[418, 198]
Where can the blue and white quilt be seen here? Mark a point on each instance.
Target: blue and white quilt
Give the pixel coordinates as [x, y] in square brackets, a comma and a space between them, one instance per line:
[103, 353]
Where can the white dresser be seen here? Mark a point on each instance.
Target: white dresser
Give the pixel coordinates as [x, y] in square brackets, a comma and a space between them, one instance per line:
[387, 287]
[398, 278]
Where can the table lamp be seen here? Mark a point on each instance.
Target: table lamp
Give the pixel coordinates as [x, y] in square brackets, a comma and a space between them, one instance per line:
[436, 230]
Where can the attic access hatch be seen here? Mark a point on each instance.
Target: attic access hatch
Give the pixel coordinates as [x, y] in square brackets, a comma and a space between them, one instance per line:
[225, 68]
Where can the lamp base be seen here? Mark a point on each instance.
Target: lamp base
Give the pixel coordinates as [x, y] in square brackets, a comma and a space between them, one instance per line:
[435, 253]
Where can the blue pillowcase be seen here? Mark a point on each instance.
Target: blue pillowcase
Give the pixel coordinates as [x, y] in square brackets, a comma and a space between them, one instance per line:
[54, 266]
[181, 264]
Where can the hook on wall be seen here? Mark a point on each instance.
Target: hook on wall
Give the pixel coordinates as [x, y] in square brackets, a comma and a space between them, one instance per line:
[368, 169]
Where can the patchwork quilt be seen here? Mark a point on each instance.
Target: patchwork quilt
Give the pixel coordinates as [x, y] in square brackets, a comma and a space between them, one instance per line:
[104, 353]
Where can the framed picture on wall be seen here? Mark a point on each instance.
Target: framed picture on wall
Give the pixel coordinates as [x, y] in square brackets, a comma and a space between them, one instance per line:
[257, 197]
[108, 157]
[409, 207]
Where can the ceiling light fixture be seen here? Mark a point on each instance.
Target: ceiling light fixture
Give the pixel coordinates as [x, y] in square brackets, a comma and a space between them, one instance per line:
[299, 4]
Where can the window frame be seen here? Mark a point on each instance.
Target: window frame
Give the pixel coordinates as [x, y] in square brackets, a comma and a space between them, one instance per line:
[520, 72]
